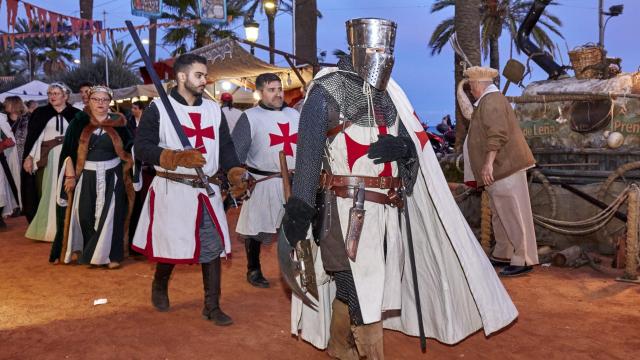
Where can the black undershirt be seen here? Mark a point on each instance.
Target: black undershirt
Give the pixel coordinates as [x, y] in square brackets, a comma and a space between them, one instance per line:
[148, 136]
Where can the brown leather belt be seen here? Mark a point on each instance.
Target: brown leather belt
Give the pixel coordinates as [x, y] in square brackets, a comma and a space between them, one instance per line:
[392, 198]
[328, 181]
[191, 180]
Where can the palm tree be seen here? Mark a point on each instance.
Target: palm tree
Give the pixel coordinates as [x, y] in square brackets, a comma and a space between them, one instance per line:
[306, 25]
[496, 16]
[7, 65]
[86, 41]
[53, 53]
[466, 23]
[121, 53]
[185, 38]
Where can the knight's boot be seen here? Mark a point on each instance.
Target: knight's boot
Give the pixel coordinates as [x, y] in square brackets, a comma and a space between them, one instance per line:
[254, 271]
[368, 340]
[341, 343]
[211, 281]
[160, 286]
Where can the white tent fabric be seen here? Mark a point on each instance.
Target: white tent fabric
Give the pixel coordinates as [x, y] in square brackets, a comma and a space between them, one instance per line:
[126, 93]
[227, 60]
[34, 90]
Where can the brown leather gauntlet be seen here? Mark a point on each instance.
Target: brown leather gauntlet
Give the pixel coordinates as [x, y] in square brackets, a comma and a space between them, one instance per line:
[171, 159]
[237, 181]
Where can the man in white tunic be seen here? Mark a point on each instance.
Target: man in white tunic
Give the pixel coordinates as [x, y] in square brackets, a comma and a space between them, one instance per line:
[230, 111]
[261, 134]
[179, 223]
[358, 128]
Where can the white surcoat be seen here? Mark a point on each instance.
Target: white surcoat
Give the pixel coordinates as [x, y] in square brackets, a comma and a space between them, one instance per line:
[271, 132]
[172, 212]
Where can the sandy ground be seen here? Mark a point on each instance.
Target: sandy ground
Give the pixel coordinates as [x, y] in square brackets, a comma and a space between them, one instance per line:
[47, 312]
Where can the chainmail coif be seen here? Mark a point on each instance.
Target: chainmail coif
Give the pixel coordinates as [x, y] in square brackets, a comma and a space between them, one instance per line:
[347, 89]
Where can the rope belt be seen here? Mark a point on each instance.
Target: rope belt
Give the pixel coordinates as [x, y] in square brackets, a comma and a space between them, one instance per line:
[191, 180]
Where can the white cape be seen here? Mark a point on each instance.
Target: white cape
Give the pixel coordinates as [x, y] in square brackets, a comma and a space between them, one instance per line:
[459, 289]
[7, 200]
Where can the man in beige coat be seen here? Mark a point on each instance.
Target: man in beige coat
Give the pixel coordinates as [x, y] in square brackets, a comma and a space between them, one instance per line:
[499, 157]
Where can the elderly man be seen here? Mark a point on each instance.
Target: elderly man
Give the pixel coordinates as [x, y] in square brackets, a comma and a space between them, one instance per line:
[499, 157]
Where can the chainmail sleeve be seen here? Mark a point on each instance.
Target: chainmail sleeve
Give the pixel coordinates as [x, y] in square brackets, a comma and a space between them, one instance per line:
[312, 135]
[227, 157]
[242, 137]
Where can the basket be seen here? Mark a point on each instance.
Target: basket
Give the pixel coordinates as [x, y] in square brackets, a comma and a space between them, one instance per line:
[635, 82]
[587, 61]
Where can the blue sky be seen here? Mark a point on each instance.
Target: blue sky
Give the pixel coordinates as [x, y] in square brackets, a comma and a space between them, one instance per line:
[428, 80]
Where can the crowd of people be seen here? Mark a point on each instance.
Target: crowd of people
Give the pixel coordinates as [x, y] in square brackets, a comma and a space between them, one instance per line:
[98, 185]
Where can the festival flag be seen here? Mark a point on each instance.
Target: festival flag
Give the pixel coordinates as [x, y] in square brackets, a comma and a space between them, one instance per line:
[146, 8]
[213, 11]
[12, 12]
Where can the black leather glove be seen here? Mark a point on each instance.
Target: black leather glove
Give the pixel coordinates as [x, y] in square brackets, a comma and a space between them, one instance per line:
[297, 219]
[390, 148]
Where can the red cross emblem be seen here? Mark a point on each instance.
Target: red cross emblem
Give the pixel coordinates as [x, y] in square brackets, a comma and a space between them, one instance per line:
[198, 132]
[355, 151]
[423, 137]
[286, 139]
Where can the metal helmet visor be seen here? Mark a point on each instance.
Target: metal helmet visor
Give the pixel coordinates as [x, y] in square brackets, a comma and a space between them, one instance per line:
[371, 42]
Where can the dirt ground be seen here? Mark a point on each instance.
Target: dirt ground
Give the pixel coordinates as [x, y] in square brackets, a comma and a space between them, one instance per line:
[47, 312]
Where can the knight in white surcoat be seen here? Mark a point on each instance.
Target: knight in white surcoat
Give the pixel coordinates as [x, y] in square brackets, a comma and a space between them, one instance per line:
[179, 223]
[260, 135]
[381, 185]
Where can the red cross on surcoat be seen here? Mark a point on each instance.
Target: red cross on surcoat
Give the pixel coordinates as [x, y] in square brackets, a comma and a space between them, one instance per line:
[355, 151]
[286, 139]
[198, 132]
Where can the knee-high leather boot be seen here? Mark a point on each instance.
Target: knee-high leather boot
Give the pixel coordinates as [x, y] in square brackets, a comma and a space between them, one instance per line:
[341, 343]
[160, 286]
[211, 281]
[368, 340]
[254, 271]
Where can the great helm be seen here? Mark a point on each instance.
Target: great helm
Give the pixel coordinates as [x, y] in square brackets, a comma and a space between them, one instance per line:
[371, 42]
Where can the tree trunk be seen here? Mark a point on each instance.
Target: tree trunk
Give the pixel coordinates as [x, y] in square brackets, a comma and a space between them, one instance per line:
[272, 37]
[153, 31]
[86, 41]
[494, 56]
[467, 25]
[306, 25]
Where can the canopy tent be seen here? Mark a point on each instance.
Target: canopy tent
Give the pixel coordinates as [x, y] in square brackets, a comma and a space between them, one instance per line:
[34, 90]
[228, 60]
[147, 90]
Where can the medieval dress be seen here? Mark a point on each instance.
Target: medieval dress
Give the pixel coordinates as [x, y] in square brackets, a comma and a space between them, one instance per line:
[459, 290]
[9, 171]
[102, 198]
[259, 136]
[176, 217]
[45, 134]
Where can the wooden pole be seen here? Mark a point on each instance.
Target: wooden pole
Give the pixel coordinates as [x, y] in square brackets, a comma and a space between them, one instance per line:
[485, 223]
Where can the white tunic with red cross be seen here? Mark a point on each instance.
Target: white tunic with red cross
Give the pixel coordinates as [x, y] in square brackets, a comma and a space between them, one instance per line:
[271, 132]
[168, 229]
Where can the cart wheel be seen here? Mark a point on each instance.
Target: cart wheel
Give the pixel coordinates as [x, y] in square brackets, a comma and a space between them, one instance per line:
[619, 179]
[541, 194]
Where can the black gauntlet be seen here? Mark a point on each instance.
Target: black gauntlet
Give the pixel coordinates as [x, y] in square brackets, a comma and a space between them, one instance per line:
[297, 219]
[390, 148]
